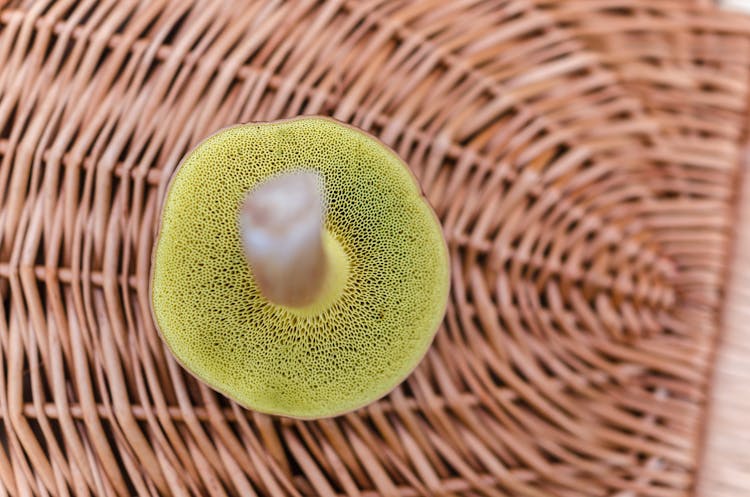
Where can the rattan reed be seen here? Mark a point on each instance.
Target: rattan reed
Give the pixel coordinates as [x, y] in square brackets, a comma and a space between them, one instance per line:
[672, 66]
[725, 463]
[582, 156]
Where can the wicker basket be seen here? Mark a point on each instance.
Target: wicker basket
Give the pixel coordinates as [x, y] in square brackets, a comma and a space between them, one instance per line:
[583, 156]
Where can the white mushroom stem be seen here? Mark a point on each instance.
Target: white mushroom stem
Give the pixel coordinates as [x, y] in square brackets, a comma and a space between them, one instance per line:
[281, 226]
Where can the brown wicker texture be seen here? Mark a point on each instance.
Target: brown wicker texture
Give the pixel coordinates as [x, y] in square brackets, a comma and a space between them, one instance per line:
[671, 64]
[725, 464]
[581, 156]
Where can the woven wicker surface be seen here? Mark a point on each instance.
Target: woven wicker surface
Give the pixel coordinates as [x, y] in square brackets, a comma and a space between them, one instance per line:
[659, 67]
[582, 156]
[725, 465]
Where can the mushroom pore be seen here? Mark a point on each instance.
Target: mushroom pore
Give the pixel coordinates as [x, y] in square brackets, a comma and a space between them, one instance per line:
[298, 268]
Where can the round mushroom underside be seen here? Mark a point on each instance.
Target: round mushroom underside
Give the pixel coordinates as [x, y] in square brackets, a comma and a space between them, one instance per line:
[323, 359]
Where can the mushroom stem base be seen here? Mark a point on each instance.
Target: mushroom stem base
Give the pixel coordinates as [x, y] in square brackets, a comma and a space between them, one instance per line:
[337, 273]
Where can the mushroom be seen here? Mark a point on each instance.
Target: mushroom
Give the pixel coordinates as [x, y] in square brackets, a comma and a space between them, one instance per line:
[298, 268]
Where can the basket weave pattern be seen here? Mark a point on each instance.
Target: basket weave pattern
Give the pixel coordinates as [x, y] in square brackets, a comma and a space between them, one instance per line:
[581, 156]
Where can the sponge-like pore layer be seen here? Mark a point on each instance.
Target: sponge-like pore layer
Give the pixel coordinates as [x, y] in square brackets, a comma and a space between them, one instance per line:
[326, 359]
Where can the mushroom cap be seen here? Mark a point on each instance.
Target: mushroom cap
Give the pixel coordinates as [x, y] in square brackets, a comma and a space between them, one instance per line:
[327, 358]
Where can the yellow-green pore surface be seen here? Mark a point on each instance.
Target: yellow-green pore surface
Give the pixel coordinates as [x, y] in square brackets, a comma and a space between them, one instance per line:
[279, 360]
